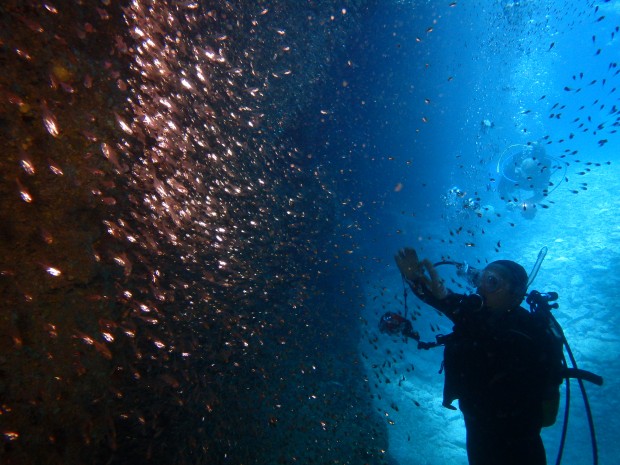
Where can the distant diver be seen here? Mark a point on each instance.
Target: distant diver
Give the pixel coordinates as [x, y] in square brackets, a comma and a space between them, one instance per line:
[527, 169]
[457, 201]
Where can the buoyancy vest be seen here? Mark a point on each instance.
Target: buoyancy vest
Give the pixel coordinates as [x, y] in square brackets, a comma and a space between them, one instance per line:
[501, 366]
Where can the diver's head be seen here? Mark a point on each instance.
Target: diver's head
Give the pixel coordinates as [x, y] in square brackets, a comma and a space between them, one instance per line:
[503, 285]
[527, 167]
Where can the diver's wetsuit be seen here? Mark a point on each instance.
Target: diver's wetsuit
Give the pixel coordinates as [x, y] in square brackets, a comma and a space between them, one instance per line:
[496, 365]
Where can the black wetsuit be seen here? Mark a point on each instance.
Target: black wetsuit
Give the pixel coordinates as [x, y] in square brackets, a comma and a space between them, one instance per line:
[497, 366]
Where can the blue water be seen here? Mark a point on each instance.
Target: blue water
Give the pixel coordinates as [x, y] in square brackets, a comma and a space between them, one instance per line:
[420, 81]
[202, 280]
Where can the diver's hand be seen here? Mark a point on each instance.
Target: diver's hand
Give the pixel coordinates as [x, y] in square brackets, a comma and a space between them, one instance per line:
[409, 264]
[420, 273]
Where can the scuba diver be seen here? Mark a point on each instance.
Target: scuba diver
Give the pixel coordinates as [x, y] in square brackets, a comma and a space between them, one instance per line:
[458, 204]
[503, 363]
[526, 168]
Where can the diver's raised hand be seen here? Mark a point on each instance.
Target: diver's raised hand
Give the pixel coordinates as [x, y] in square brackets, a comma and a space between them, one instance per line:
[409, 264]
[419, 274]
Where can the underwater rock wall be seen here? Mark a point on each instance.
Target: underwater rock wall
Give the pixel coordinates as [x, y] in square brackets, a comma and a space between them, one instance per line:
[161, 244]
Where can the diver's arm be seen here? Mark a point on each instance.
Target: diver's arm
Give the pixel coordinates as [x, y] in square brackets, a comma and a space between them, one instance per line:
[447, 305]
[426, 283]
